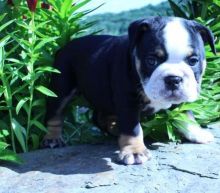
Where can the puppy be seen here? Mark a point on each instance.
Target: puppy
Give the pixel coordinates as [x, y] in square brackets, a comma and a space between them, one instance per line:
[159, 63]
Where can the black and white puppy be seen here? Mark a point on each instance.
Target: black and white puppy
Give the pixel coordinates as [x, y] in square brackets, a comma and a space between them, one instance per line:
[159, 63]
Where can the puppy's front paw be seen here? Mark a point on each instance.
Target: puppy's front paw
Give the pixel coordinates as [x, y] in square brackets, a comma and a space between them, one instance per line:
[134, 155]
[133, 150]
[52, 143]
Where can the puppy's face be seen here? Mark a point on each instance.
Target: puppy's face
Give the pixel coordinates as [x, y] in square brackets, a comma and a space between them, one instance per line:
[170, 58]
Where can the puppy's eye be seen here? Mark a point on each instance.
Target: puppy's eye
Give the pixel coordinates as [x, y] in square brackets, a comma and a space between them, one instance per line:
[193, 60]
[152, 61]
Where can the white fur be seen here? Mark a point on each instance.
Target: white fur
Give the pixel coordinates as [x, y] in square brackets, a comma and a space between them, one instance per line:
[176, 41]
[204, 64]
[158, 105]
[156, 89]
[194, 133]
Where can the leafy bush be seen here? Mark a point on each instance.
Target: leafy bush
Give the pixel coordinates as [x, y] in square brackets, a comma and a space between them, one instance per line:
[31, 32]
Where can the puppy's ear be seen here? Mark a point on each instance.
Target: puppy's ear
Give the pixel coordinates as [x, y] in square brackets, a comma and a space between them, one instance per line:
[206, 34]
[136, 29]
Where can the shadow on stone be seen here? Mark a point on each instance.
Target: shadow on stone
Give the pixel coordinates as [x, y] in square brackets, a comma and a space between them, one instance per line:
[83, 159]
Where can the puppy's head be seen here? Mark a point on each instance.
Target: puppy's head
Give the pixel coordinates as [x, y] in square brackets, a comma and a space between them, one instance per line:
[170, 57]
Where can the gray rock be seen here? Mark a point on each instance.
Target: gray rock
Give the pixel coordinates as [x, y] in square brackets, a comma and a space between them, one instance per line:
[174, 168]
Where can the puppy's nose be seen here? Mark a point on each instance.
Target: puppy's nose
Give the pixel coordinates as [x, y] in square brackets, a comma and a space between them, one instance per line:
[173, 82]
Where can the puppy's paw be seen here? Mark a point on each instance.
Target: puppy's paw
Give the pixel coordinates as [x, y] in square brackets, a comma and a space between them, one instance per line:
[134, 155]
[201, 136]
[52, 143]
[194, 133]
[133, 150]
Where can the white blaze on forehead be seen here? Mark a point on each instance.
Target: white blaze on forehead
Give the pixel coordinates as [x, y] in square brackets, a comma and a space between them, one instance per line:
[176, 40]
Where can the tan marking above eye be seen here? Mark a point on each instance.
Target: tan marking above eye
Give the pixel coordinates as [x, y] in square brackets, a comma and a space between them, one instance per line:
[159, 52]
[190, 52]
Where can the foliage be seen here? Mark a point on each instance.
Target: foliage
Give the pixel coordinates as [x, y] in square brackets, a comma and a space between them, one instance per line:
[28, 42]
[8, 155]
[79, 127]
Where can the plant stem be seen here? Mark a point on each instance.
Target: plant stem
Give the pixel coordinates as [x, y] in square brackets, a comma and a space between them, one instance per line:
[8, 98]
[32, 81]
[12, 132]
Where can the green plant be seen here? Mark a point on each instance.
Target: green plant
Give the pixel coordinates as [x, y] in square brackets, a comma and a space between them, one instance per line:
[5, 154]
[29, 40]
[8, 155]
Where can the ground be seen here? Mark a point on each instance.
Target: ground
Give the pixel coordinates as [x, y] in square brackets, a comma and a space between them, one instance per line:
[174, 168]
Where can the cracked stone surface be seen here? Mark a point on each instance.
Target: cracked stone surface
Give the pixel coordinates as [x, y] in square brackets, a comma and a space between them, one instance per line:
[174, 168]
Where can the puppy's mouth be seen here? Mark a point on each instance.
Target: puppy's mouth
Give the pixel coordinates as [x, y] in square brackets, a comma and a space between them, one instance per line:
[174, 96]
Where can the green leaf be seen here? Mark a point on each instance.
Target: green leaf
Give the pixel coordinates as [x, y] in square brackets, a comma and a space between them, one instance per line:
[45, 91]
[3, 42]
[177, 10]
[23, 24]
[154, 122]
[43, 42]
[79, 5]
[6, 24]
[47, 69]
[2, 16]
[20, 104]
[42, 24]
[38, 102]
[146, 131]
[3, 132]
[7, 155]
[23, 43]
[20, 133]
[35, 141]
[3, 145]
[181, 125]
[39, 125]
[170, 132]
[66, 5]
[2, 89]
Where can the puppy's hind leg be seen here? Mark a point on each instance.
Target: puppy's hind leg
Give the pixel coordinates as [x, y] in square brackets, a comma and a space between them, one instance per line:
[54, 121]
[194, 133]
[65, 87]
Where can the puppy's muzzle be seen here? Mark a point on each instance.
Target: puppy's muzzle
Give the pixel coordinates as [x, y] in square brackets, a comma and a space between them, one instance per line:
[173, 82]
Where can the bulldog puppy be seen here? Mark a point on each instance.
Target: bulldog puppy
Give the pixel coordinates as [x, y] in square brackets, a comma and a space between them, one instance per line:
[159, 63]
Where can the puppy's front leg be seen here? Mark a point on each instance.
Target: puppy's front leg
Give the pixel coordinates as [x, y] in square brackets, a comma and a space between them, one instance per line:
[194, 133]
[131, 142]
